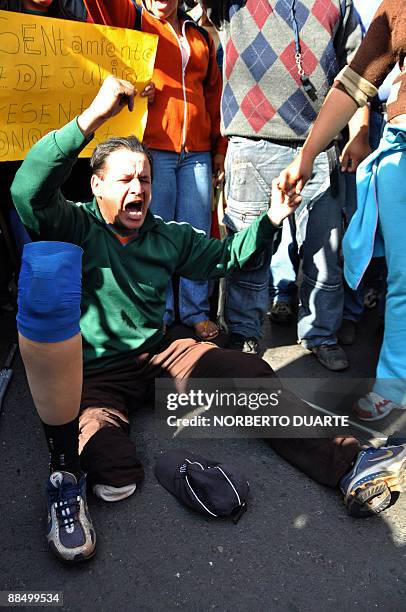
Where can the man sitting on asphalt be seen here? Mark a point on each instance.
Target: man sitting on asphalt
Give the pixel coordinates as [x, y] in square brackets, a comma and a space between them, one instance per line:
[128, 257]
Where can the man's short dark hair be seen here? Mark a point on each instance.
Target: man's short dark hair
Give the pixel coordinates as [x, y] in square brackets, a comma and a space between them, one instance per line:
[104, 149]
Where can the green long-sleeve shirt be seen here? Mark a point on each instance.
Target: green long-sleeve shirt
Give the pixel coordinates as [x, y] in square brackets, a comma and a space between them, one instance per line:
[123, 287]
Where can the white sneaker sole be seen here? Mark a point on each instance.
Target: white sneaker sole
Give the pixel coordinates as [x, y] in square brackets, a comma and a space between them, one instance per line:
[113, 494]
[393, 475]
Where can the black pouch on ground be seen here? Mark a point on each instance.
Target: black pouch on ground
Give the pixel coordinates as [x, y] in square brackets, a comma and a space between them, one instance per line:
[210, 487]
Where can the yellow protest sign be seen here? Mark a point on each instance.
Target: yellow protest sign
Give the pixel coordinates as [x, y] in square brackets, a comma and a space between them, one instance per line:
[51, 69]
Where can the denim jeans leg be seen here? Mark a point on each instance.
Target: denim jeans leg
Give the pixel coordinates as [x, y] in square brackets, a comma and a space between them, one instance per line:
[163, 204]
[194, 197]
[250, 167]
[377, 122]
[353, 298]
[319, 235]
[284, 267]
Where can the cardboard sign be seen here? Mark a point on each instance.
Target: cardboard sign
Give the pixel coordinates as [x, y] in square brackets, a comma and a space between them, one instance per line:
[51, 69]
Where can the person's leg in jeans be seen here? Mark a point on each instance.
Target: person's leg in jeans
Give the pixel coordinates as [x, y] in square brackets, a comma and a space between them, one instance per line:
[51, 348]
[194, 198]
[163, 204]
[319, 234]
[282, 277]
[182, 193]
[250, 168]
[353, 299]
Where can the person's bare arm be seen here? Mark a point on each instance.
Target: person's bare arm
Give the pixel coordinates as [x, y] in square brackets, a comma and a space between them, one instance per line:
[336, 112]
[357, 147]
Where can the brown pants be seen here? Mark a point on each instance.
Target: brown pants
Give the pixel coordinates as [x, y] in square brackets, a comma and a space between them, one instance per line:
[108, 455]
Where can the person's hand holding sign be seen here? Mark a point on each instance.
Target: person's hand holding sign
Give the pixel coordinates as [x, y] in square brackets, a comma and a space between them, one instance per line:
[113, 96]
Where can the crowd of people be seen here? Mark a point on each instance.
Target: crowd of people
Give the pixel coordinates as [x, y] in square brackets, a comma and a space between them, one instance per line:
[96, 305]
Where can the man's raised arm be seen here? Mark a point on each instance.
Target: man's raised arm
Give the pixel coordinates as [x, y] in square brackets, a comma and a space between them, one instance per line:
[113, 96]
[36, 188]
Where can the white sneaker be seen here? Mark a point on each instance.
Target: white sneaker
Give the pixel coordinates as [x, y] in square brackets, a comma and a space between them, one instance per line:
[373, 407]
[112, 494]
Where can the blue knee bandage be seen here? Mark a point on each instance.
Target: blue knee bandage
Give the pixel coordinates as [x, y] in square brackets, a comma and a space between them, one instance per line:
[49, 291]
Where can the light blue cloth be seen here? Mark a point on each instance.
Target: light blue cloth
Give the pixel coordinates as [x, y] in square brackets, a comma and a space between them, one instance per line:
[362, 239]
[391, 370]
[380, 223]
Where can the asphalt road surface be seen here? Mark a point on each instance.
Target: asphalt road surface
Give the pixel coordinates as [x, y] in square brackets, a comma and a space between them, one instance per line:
[295, 549]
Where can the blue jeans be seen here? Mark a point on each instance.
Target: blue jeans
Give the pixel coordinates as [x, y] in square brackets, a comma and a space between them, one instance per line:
[377, 122]
[182, 191]
[353, 298]
[316, 232]
[284, 267]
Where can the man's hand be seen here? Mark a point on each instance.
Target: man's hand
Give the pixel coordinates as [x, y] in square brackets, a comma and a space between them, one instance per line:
[149, 92]
[113, 96]
[281, 205]
[218, 169]
[292, 180]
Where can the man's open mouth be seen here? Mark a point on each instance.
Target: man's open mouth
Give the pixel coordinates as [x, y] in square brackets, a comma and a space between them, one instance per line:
[134, 208]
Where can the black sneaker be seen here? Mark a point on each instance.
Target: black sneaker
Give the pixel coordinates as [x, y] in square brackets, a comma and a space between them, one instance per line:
[331, 356]
[281, 312]
[71, 535]
[244, 344]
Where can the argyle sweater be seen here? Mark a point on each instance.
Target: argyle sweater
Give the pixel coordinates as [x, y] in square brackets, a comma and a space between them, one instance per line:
[262, 93]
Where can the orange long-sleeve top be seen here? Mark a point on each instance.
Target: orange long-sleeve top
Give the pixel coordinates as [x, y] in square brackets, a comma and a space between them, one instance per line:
[186, 112]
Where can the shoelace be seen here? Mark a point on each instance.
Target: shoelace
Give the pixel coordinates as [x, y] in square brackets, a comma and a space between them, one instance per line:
[66, 501]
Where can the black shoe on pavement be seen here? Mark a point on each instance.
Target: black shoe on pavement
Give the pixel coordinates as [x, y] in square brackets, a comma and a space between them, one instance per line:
[244, 344]
[281, 312]
[347, 332]
[331, 356]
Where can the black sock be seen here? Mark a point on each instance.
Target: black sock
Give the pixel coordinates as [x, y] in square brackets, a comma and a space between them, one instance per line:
[63, 443]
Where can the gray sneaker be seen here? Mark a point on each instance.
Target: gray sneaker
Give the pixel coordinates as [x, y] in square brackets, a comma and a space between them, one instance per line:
[70, 533]
[331, 356]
